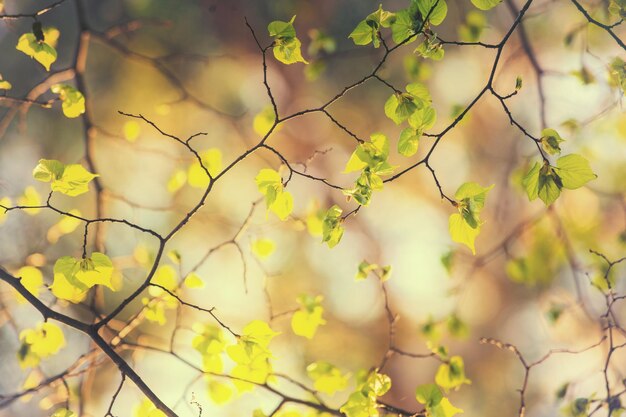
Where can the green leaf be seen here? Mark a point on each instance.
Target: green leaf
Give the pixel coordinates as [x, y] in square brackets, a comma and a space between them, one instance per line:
[428, 394]
[327, 377]
[40, 51]
[462, 232]
[431, 48]
[486, 4]
[73, 100]
[451, 375]
[332, 229]
[286, 47]
[617, 73]
[277, 200]
[436, 10]
[550, 141]
[465, 225]
[457, 327]
[541, 181]
[308, 318]
[401, 106]
[367, 31]
[365, 268]
[71, 180]
[282, 29]
[288, 51]
[435, 403]
[263, 248]
[574, 171]
[219, 392]
[4, 85]
[405, 26]
[472, 28]
[43, 341]
[147, 409]
[364, 34]
[618, 8]
[545, 181]
[74, 277]
[409, 141]
[193, 280]
[264, 121]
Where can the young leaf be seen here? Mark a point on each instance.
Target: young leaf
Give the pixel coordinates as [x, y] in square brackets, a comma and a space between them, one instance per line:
[71, 180]
[264, 120]
[465, 225]
[42, 49]
[408, 142]
[308, 318]
[574, 171]
[212, 161]
[486, 4]
[327, 378]
[367, 31]
[74, 277]
[435, 10]
[332, 230]
[263, 248]
[550, 141]
[73, 100]
[286, 47]
[44, 341]
[451, 375]
[541, 181]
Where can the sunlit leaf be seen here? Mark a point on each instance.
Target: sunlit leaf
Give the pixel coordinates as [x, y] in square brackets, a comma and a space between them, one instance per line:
[65, 226]
[308, 318]
[31, 198]
[451, 375]
[211, 161]
[263, 248]
[332, 229]
[131, 130]
[264, 120]
[193, 280]
[43, 341]
[73, 100]
[41, 51]
[147, 409]
[327, 378]
[71, 180]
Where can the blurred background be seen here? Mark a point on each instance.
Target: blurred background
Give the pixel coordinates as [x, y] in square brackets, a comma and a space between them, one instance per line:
[218, 89]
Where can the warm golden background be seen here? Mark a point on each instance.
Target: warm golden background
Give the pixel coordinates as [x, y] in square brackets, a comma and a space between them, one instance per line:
[214, 56]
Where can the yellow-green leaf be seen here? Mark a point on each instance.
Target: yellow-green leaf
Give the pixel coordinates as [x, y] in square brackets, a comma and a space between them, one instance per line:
[263, 248]
[308, 318]
[71, 180]
[451, 375]
[327, 377]
[147, 409]
[30, 198]
[193, 280]
[264, 121]
[41, 51]
[462, 232]
[43, 341]
[212, 161]
[73, 100]
[32, 279]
